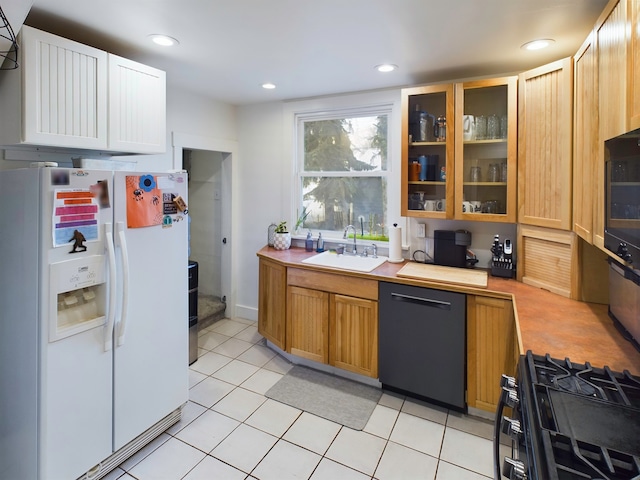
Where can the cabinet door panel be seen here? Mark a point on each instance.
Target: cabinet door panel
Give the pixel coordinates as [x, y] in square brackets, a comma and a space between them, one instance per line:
[308, 323]
[272, 295]
[65, 92]
[354, 335]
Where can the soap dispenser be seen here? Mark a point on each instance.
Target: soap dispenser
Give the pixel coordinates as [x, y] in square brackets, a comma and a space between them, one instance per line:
[320, 247]
[308, 243]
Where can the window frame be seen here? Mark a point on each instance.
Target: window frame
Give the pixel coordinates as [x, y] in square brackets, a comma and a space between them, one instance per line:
[342, 112]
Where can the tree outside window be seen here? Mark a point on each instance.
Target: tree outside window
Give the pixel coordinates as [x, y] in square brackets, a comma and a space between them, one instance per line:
[343, 174]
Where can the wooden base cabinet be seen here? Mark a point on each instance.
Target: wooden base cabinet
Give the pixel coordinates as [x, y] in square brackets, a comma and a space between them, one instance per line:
[353, 335]
[492, 349]
[272, 295]
[328, 327]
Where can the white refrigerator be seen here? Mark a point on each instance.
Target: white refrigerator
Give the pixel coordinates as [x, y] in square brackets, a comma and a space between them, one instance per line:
[93, 317]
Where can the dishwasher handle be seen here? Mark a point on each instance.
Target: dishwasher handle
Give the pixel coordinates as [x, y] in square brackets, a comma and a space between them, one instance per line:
[425, 302]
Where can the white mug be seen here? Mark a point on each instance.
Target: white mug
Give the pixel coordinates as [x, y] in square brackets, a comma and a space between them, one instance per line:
[477, 204]
[441, 205]
[430, 205]
[467, 207]
[468, 128]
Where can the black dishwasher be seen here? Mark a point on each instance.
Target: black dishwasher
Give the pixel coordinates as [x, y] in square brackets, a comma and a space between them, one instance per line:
[422, 342]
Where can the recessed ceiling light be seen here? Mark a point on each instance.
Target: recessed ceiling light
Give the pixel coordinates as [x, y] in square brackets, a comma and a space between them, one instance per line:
[163, 40]
[386, 67]
[268, 86]
[538, 44]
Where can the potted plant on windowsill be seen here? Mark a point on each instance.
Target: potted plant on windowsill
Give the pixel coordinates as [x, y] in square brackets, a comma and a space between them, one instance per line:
[282, 239]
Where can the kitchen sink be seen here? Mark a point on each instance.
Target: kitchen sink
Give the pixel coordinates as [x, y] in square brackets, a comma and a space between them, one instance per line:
[345, 262]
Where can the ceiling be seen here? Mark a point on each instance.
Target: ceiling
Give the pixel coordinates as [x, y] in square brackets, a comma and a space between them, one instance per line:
[228, 49]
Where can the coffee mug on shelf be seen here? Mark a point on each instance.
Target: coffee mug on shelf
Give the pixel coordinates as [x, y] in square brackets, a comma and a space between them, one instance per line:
[468, 128]
[477, 205]
[430, 205]
[467, 207]
[441, 205]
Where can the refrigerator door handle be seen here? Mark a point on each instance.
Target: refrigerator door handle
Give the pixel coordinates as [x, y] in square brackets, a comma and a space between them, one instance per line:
[125, 283]
[111, 257]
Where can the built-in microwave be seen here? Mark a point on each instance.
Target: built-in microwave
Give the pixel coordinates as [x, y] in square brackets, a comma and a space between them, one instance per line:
[622, 196]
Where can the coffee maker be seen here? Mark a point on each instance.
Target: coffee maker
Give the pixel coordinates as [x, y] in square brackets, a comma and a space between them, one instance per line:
[450, 247]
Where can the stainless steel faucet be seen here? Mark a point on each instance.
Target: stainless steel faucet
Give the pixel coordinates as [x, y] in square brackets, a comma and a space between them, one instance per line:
[345, 235]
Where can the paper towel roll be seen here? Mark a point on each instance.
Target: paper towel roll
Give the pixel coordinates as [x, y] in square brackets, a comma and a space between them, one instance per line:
[395, 244]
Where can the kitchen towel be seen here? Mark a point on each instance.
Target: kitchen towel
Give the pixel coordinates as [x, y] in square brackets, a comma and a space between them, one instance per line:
[395, 244]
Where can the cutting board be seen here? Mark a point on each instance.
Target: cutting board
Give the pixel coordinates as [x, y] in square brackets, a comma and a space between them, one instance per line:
[438, 273]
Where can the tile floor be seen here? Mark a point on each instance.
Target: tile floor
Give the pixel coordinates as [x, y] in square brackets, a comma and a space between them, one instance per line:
[230, 430]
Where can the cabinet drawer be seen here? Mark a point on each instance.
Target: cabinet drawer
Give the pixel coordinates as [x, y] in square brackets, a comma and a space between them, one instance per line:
[333, 283]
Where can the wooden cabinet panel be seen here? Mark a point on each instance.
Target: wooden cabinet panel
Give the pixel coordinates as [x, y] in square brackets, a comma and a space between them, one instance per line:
[633, 64]
[585, 141]
[544, 145]
[308, 323]
[353, 335]
[272, 294]
[492, 349]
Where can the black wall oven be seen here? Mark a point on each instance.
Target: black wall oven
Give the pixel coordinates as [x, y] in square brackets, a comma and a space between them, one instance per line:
[569, 421]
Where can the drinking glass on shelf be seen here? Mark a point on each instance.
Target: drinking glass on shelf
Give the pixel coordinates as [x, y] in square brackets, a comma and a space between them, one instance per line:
[503, 126]
[494, 173]
[475, 174]
[493, 127]
[503, 172]
[481, 127]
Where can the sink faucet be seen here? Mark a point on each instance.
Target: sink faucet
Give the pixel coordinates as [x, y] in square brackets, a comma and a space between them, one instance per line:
[346, 232]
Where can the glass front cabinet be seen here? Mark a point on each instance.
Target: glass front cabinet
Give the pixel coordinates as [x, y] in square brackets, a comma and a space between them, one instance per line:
[486, 150]
[428, 134]
[459, 150]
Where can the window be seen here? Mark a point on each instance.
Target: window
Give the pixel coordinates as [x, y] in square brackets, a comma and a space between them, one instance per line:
[342, 172]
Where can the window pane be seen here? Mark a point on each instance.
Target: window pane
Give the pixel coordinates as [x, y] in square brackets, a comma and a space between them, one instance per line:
[335, 202]
[346, 144]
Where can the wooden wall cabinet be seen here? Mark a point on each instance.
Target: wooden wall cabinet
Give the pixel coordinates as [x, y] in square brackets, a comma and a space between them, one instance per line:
[493, 99]
[435, 100]
[544, 145]
[272, 303]
[71, 96]
[493, 348]
[328, 327]
[633, 65]
[585, 142]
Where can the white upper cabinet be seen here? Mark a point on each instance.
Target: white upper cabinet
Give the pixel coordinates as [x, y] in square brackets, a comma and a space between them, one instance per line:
[72, 96]
[137, 107]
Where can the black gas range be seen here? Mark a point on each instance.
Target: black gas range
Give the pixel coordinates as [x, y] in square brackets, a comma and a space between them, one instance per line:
[569, 421]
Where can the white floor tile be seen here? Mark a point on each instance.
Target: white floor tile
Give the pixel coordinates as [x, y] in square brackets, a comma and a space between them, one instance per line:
[209, 363]
[249, 334]
[273, 417]
[286, 461]
[195, 377]
[330, 470]
[312, 432]
[239, 404]
[233, 347]
[468, 451]
[173, 459]
[246, 321]
[257, 355]
[356, 449]
[418, 433]
[391, 400]
[190, 412]
[425, 410]
[212, 468]
[402, 462]
[244, 448]
[209, 391]
[228, 327]
[279, 364]
[261, 381]
[211, 340]
[447, 471]
[208, 430]
[235, 372]
[381, 421]
[466, 423]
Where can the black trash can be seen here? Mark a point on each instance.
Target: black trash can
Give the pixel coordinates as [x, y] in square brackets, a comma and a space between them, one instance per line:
[193, 311]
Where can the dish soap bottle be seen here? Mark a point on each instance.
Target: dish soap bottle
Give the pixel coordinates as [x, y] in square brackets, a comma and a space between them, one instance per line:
[308, 243]
[320, 247]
